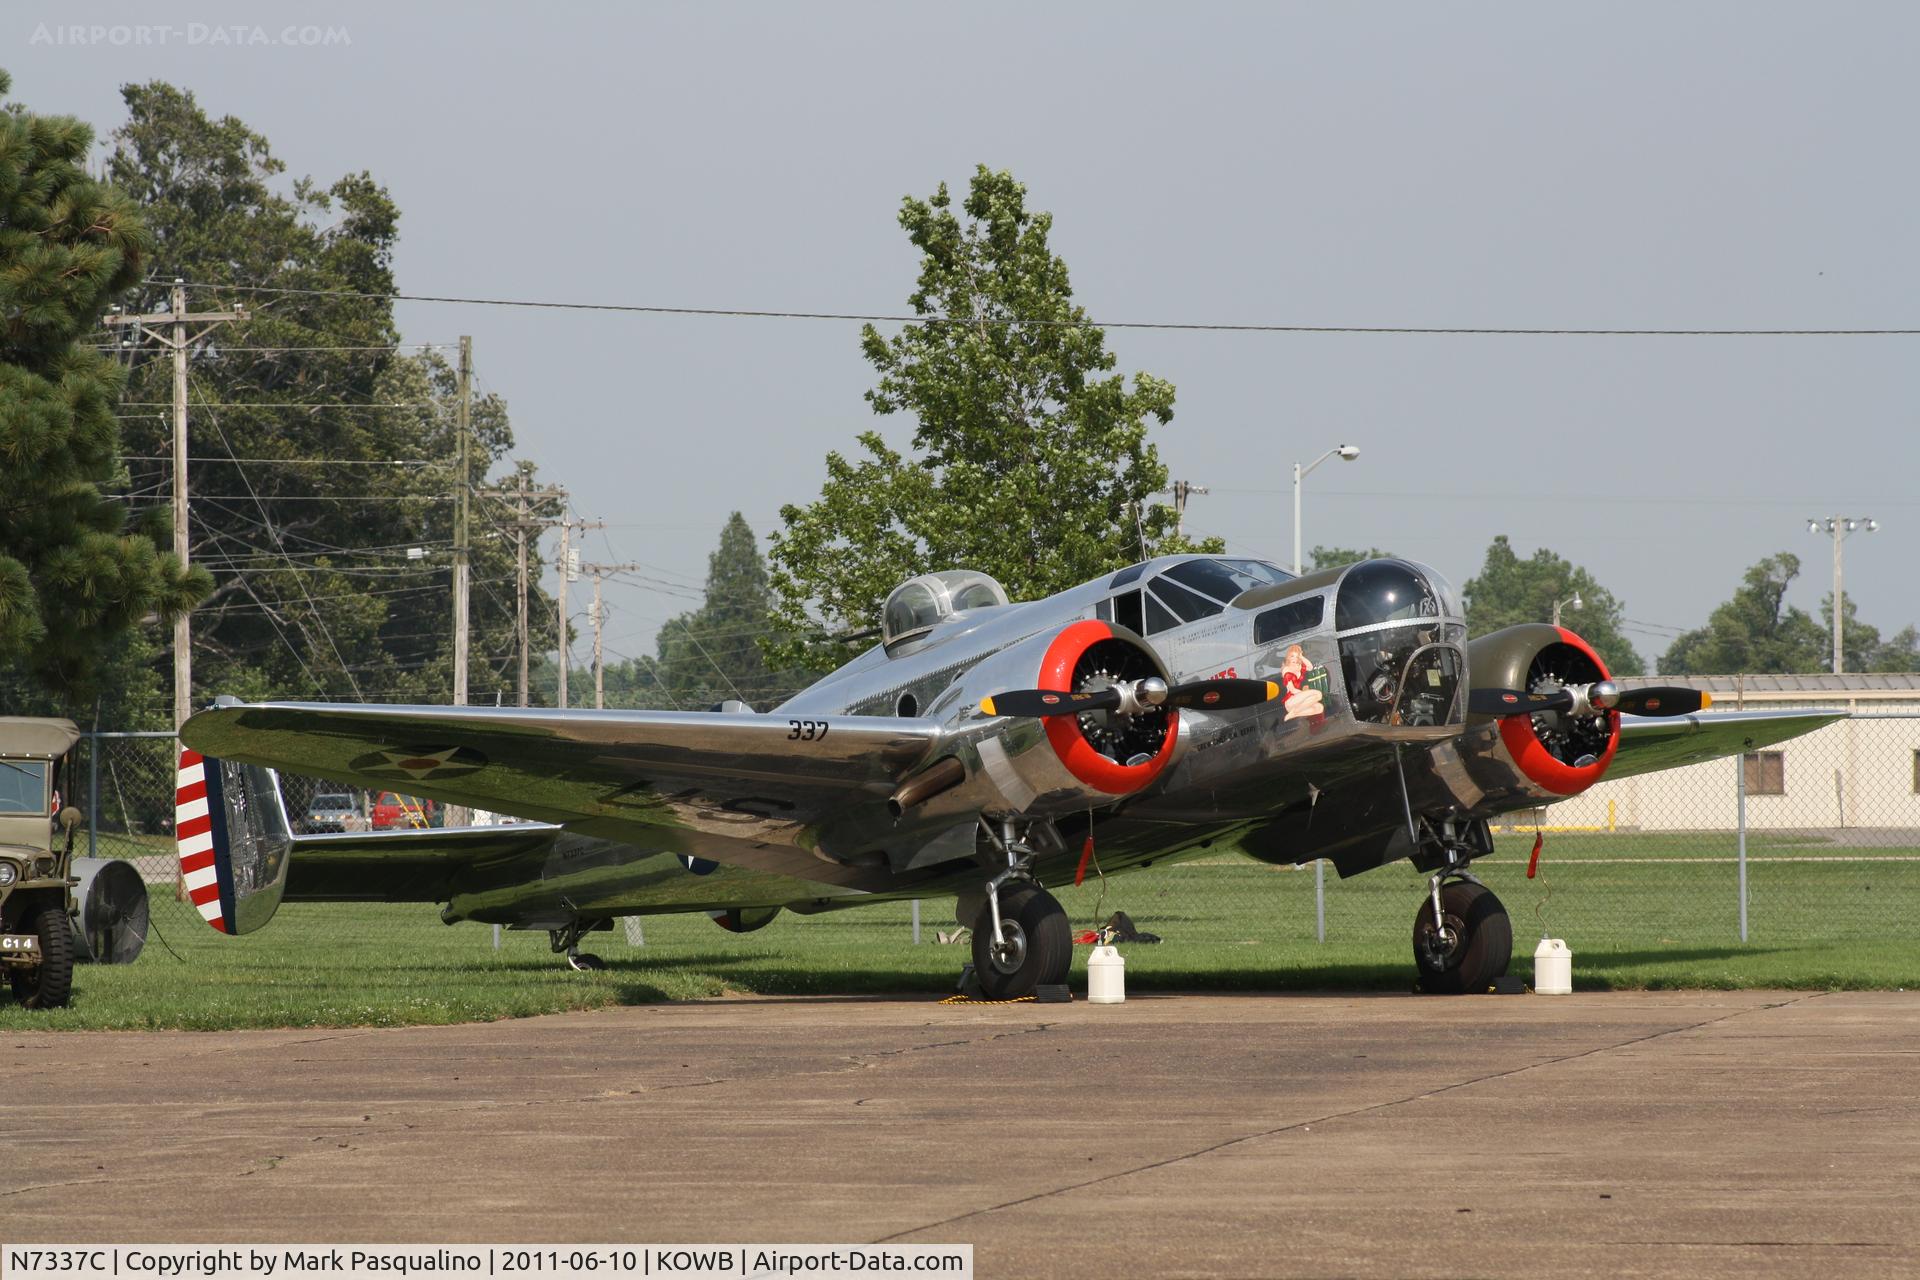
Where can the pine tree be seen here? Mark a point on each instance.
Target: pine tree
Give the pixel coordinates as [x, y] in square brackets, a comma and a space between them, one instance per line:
[712, 653]
[75, 574]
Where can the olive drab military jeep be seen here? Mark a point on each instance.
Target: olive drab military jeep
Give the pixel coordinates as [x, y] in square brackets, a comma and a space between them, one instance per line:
[36, 857]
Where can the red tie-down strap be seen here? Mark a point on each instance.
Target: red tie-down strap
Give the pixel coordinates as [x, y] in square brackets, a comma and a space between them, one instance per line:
[1533, 863]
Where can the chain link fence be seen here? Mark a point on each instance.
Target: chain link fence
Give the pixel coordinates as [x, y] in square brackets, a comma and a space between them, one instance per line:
[1816, 840]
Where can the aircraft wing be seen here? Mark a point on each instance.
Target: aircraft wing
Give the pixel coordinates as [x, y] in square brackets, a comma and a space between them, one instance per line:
[752, 790]
[1650, 744]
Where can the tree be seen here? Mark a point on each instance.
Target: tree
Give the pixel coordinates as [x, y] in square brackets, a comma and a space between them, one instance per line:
[712, 653]
[1901, 652]
[78, 573]
[348, 444]
[1029, 458]
[1859, 643]
[1510, 590]
[1756, 632]
[1336, 557]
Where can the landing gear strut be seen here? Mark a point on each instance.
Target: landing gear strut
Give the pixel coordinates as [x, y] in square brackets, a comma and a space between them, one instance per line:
[1021, 939]
[566, 941]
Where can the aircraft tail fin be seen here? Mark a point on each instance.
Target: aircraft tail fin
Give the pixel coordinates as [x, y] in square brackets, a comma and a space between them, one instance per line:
[234, 841]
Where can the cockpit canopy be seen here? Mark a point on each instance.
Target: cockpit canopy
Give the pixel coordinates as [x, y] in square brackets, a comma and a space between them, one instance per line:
[920, 604]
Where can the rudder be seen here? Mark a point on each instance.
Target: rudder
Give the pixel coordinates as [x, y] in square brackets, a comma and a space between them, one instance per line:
[234, 841]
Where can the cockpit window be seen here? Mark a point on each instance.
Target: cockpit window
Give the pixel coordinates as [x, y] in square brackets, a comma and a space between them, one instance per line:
[1223, 580]
[1159, 617]
[1191, 606]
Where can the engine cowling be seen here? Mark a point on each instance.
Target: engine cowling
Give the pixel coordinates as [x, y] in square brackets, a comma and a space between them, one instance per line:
[1065, 762]
[1539, 758]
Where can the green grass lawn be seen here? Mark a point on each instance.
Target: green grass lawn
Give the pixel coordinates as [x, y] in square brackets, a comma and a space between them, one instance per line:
[1638, 912]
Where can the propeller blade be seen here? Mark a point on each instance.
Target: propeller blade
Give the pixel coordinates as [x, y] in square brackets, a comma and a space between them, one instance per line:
[1664, 700]
[1049, 702]
[1515, 702]
[1221, 695]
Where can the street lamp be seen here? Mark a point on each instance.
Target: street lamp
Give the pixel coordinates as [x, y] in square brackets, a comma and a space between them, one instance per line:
[1572, 602]
[1347, 453]
[1839, 527]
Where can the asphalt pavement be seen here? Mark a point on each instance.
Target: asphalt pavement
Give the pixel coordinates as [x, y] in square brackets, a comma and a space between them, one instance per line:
[1620, 1134]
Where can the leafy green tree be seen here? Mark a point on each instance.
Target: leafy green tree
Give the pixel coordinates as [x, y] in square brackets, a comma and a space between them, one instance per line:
[1859, 643]
[1029, 458]
[1510, 590]
[348, 444]
[1334, 557]
[1900, 652]
[77, 575]
[1756, 632]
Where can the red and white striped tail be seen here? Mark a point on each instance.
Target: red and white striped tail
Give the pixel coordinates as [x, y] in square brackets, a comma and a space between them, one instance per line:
[202, 850]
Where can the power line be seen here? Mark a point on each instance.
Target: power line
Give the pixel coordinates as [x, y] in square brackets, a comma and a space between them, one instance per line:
[1202, 327]
[285, 404]
[331, 462]
[221, 350]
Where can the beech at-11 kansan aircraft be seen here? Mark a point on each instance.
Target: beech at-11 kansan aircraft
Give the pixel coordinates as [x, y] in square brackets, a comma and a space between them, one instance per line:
[1178, 704]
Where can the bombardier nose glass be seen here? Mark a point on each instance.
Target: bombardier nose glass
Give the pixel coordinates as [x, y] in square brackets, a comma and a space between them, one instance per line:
[1399, 649]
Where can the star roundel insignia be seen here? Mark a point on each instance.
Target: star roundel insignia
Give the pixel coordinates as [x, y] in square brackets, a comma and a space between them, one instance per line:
[419, 764]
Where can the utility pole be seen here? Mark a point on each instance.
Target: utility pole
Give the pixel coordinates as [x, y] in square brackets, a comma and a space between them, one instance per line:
[463, 482]
[1839, 527]
[524, 520]
[569, 573]
[1180, 490]
[597, 572]
[175, 338]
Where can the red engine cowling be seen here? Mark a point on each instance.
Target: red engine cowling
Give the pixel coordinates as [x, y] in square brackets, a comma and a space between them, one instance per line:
[1539, 758]
[1066, 761]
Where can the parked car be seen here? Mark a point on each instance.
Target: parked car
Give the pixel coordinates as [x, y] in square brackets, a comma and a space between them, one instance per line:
[395, 812]
[333, 811]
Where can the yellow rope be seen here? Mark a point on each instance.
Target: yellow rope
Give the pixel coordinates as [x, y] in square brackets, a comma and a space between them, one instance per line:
[972, 1000]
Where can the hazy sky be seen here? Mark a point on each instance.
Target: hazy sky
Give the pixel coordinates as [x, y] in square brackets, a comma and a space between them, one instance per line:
[1712, 165]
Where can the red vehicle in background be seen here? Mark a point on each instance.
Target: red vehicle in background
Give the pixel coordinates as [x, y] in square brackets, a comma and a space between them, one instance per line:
[395, 812]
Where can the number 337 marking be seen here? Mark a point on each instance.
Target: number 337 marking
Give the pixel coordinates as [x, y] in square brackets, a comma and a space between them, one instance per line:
[807, 730]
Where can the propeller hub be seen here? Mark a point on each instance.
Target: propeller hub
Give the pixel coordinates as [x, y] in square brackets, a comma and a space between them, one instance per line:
[1150, 692]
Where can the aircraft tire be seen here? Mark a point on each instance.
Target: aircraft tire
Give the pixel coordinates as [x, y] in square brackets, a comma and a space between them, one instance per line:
[1484, 946]
[49, 984]
[1042, 950]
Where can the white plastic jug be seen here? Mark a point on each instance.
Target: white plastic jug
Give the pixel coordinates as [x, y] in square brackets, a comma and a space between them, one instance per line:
[1106, 976]
[1552, 968]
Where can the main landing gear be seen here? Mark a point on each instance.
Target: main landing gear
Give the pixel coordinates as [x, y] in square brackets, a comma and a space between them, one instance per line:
[1021, 939]
[1462, 936]
[566, 941]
